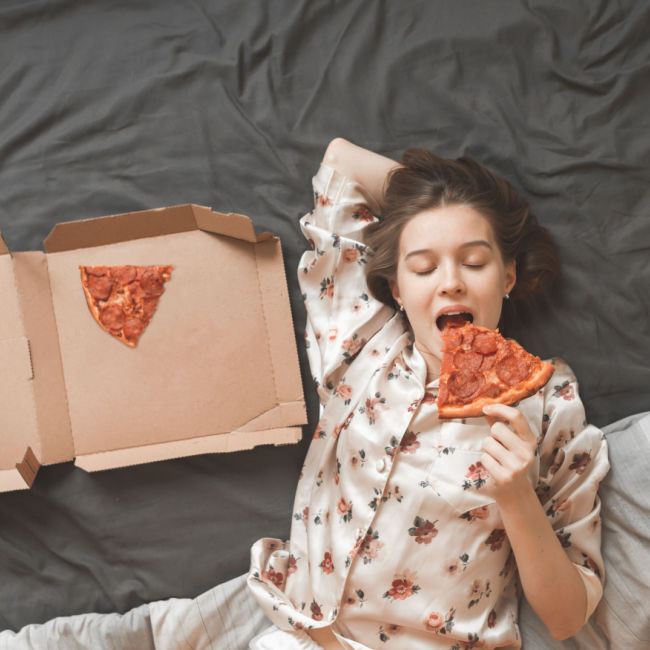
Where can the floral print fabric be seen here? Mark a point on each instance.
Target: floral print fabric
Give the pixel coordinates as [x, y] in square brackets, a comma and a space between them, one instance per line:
[393, 541]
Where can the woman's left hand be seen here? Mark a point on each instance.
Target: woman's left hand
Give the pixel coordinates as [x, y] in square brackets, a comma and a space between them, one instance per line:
[509, 452]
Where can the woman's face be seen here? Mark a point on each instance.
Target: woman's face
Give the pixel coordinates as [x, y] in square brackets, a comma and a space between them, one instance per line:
[449, 268]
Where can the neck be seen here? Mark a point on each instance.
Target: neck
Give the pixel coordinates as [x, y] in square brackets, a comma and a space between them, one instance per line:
[432, 363]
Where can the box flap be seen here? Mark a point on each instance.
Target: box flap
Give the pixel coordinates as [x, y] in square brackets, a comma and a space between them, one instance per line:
[101, 231]
[53, 422]
[231, 224]
[220, 443]
[18, 425]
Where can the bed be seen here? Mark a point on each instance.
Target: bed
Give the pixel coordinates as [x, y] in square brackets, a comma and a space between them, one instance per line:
[111, 107]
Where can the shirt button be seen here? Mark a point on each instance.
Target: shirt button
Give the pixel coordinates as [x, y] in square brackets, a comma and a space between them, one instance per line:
[381, 465]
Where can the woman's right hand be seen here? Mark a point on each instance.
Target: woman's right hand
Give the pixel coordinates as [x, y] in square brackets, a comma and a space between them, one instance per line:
[367, 168]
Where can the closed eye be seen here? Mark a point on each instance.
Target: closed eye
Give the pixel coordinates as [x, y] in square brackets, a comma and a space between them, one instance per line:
[427, 272]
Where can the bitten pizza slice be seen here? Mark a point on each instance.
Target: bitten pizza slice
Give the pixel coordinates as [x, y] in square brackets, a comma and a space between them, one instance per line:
[480, 367]
[122, 299]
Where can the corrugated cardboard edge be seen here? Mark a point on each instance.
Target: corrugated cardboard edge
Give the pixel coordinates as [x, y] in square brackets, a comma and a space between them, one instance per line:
[23, 476]
[35, 296]
[113, 229]
[279, 321]
[217, 443]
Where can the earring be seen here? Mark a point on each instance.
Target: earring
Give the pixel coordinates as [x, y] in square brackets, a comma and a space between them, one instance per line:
[507, 296]
[401, 307]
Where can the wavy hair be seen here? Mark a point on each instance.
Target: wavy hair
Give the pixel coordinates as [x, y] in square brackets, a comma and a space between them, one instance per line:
[425, 181]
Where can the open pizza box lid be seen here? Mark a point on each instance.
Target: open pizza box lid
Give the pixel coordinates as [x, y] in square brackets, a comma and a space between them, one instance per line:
[216, 369]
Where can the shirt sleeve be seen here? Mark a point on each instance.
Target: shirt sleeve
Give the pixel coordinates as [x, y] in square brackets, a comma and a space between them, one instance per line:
[573, 462]
[342, 316]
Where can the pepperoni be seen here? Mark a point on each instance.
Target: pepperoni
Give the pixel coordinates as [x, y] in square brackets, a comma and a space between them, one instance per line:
[124, 274]
[464, 383]
[149, 306]
[453, 338]
[511, 370]
[99, 286]
[152, 283]
[468, 337]
[133, 327]
[488, 362]
[112, 316]
[485, 343]
[96, 270]
[467, 360]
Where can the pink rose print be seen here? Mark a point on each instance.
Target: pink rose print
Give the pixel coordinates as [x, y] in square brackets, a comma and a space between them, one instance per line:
[496, 539]
[492, 619]
[429, 398]
[363, 213]
[423, 530]
[580, 462]
[322, 200]
[316, 612]
[481, 512]
[333, 333]
[326, 565]
[327, 288]
[557, 461]
[476, 474]
[561, 505]
[402, 587]
[352, 346]
[344, 391]
[344, 509]
[434, 622]
[351, 254]
[292, 565]
[410, 443]
[373, 407]
[370, 546]
[274, 577]
[453, 566]
[565, 391]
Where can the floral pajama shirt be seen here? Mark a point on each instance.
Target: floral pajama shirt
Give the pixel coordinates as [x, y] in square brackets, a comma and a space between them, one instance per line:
[393, 541]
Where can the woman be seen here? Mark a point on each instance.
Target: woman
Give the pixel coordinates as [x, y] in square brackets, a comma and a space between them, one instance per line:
[409, 532]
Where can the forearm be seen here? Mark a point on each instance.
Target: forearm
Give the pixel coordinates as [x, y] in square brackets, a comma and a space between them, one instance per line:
[361, 165]
[550, 581]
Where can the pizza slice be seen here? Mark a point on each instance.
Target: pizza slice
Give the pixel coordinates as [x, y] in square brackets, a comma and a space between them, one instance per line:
[122, 299]
[480, 367]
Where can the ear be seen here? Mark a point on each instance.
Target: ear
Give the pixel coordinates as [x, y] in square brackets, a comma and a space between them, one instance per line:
[511, 275]
[394, 289]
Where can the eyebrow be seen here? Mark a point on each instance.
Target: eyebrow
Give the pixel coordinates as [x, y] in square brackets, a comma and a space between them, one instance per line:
[468, 244]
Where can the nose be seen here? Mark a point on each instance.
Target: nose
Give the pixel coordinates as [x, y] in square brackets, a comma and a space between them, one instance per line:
[451, 281]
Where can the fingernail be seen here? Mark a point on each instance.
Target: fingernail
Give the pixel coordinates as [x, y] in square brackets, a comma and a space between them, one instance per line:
[486, 408]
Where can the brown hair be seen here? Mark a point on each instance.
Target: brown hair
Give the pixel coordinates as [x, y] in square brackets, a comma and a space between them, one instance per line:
[425, 181]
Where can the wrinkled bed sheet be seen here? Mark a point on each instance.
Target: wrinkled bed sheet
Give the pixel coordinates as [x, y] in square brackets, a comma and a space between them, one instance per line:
[111, 107]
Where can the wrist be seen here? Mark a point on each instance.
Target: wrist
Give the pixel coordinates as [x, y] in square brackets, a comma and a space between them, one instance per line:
[518, 498]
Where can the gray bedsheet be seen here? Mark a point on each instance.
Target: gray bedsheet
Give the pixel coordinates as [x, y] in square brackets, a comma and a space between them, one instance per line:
[109, 107]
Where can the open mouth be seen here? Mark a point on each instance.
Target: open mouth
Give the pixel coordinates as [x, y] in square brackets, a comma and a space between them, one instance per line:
[453, 319]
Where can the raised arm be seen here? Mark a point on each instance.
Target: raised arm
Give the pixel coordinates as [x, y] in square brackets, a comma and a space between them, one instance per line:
[366, 167]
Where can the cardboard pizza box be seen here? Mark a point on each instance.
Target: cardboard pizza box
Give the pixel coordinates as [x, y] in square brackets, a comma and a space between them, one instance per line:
[216, 369]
